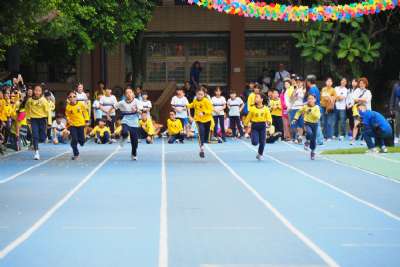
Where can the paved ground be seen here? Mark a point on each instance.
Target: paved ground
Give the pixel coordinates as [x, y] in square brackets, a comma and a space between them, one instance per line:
[173, 209]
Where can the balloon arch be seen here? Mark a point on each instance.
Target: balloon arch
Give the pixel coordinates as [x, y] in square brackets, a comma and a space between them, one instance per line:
[281, 12]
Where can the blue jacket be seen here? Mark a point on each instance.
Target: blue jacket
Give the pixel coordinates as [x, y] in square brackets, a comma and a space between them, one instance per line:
[314, 91]
[372, 120]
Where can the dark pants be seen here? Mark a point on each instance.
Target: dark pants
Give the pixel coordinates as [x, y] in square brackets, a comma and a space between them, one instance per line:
[234, 122]
[311, 134]
[278, 123]
[219, 119]
[104, 139]
[340, 123]
[173, 138]
[77, 137]
[349, 115]
[134, 136]
[328, 123]
[110, 123]
[39, 131]
[378, 135]
[258, 135]
[204, 132]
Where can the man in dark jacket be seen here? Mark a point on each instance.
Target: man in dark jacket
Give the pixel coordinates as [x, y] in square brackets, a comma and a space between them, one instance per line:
[395, 109]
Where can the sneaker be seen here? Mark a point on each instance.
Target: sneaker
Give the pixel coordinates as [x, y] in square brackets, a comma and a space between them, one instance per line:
[306, 145]
[36, 155]
[259, 157]
[201, 154]
[134, 158]
[246, 135]
[181, 142]
[299, 140]
[312, 155]
[74, 157]
[219, 141]
[372, 151]
[341, 138]
[396, 140]
[384, 149]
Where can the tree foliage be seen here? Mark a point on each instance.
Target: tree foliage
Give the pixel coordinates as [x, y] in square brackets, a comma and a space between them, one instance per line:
[79, 24]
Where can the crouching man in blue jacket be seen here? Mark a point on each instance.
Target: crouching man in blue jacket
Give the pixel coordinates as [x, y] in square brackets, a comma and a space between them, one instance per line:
[375, 127]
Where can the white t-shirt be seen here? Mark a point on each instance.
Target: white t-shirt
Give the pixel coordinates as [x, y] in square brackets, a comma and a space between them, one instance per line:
[81, 97]
[58, 126]
[108, 102]
[234, 106]
[363, 93]
[297, 99]
[341, 91]
[129, 112]
[146, 105]
[179, 104]
[218, 104]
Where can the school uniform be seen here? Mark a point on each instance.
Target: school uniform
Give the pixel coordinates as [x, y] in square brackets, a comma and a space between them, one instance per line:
[258, 117]
[130, 121]
[311, 117]
[175, 129]
[180, 106]
[77, 117]
[203, 120]
[108, 103]
[219, 104]
[146, 129]
[102, 134]
[276, 113]
[39, 113]
[234, 115]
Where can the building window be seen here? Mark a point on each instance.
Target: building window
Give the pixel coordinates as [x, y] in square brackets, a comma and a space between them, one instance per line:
[266, 53]
[175, 58]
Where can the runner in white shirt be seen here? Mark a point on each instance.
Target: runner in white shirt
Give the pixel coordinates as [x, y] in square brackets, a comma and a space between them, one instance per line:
[235, 105]
[341, 97]
[179, 103]
[219, 105]
[107, 106]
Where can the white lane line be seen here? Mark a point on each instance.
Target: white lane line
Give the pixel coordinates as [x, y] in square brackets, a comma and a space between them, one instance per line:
[370, 245]
[99, 228]
[362, 201]
[385, 158]
[228, 228]
[363, 229]
[346, 165]
[24, 236]
[12, 177]
[307, 241]
[163, 244]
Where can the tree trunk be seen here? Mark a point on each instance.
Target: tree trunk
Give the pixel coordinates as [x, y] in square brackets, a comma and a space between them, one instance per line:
[14, 59]
[137, 58]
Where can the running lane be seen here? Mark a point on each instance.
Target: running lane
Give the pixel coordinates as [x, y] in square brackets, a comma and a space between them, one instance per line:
[214, 221]
[350, 232]
[113, 220]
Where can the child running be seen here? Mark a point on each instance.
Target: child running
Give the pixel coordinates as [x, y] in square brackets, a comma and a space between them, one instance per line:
[77, 119]
[202, 116]
[312, 115]
[174, 128]
[259, 118]
[39, 115]
[130, 110]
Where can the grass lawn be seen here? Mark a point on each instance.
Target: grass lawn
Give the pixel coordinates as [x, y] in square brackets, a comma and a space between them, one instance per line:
[356, 150]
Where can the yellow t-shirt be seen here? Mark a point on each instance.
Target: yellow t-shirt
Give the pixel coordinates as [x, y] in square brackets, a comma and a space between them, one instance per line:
[259, 115]
[38, 108]
[174, 126]
[275, 107]
[77, 115]
[311, 114]
[251, 100]
[203, 106]
[147, 126]
[100, 130]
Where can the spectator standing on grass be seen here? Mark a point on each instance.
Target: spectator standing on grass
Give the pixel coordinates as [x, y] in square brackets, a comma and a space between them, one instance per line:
[395, 109]
[328, 98]
[340, 105]
[362, 95]
[280, 77]
[350, 104]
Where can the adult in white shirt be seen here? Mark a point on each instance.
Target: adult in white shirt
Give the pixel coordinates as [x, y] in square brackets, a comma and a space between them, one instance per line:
[280, 77]
[219, 105]
[235, 106]
[362, 94]
[179, 103]
[107, 106]
[340, 105]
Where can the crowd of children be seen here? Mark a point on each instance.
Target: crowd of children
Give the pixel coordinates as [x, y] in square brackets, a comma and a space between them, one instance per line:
[297, 112]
